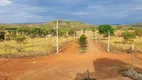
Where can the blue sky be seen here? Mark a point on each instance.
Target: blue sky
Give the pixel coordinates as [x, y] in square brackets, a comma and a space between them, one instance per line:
[89, 11]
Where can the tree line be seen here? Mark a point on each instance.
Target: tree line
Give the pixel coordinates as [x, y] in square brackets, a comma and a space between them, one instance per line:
[11, 33]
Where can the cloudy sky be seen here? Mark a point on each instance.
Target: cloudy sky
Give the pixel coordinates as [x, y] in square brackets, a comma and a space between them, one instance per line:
[89, 11]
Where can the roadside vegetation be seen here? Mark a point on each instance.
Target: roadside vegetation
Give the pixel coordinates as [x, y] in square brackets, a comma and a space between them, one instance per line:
[31, 47]
[123, 39]
[118, 46]
[83, 43]
[128, 36]
[25, 40]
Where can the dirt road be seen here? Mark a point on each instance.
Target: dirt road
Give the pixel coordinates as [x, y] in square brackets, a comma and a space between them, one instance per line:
[63, 66]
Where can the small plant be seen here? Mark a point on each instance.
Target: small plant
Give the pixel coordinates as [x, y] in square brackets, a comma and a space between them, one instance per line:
[128, 36]
[20, 39]
[83, 41]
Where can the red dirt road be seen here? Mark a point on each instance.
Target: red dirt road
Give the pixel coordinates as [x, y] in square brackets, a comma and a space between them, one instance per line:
[63, 66]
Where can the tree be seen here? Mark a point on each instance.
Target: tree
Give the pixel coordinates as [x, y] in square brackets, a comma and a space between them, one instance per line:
[83, 41]
[128, 36]
[138, 32]
[103, 29]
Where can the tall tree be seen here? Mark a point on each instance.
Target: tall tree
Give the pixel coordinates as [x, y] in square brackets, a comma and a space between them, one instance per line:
[103, 29]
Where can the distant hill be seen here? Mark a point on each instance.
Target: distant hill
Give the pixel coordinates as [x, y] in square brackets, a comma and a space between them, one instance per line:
[52, 24]
[137, 25]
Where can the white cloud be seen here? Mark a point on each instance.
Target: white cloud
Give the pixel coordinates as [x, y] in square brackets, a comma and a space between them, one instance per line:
[34, 8]
[120, 10]
[24, 17]
[28, 10]
[5, 2]
[17, 13]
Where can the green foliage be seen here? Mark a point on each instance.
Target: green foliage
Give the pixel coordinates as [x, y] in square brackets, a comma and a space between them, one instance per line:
[103, 29]
[138, 32]
[40, 32]
[83, 41]
[128, 35]
[66, 28]
[130, 28]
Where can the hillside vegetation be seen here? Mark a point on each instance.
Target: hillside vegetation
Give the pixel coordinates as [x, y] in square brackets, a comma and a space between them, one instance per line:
[52, 24]
[37, 39]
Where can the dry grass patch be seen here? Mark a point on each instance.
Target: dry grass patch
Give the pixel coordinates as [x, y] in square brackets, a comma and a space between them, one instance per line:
[117, 43]
[32, 46]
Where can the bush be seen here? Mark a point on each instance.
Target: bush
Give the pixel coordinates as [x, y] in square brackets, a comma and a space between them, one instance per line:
[83, 41]
[128, 35]
[138, 32]
[20, 39]
[93, 29]
[84, 30]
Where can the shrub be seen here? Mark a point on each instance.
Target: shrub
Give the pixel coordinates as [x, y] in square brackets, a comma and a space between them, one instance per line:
[84, 30]
[138, 32]
[83, 41]
[20, 39]
[119, 28]
[128, 35]
[93, 30]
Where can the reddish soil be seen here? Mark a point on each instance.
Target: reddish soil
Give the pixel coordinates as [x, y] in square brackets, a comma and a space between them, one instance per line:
[63, 66]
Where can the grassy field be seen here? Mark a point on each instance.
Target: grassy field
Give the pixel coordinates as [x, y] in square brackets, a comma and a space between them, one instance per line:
[117, 44]
[32, 46]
